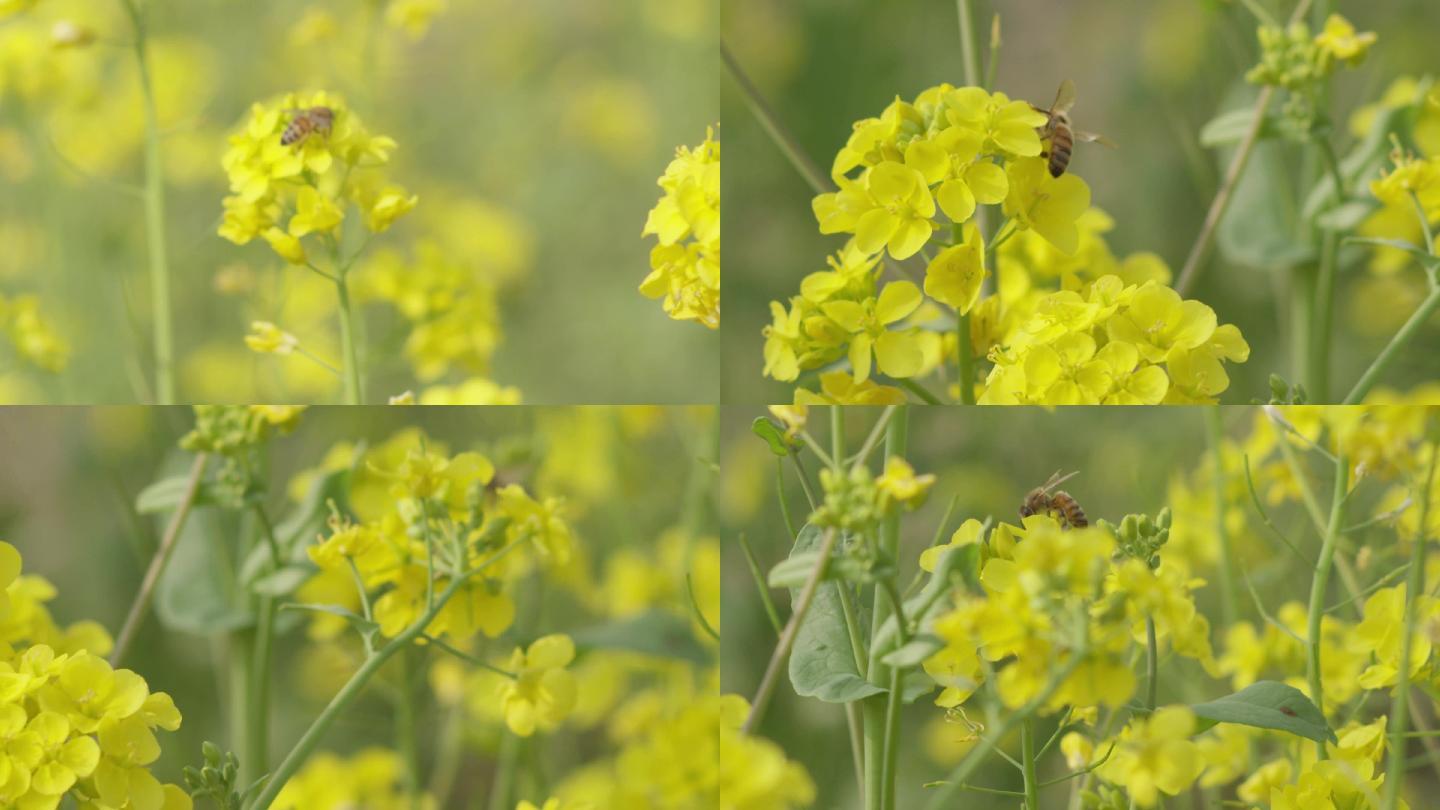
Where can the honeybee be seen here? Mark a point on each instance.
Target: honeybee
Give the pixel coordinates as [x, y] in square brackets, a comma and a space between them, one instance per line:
[1060, 505]
[307, 122]
[1060, 134]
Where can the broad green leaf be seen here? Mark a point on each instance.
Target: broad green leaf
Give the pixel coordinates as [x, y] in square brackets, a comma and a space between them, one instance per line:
[822, 663]
[656, 633]
[282, 582]
[1230, 127]
[915, 684]
[772, 435]
[1346, 217]
[915, 651]
[166, 494]
[793, 571]
[198, 593]
[1272, 705]
[1259, 228]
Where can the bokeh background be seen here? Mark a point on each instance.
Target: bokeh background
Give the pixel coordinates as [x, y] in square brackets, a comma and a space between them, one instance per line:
[1149, 74]
[533, 132]
[632, 479]
[1129, 460]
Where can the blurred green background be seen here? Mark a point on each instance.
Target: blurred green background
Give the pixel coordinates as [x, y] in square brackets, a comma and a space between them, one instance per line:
[533, 132]
[69, 509]
[1128, 460]
[1149, 74]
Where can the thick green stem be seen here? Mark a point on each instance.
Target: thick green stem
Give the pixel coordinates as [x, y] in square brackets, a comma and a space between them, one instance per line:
[353, 394]
[1414, 588]
[347, 695]
[1303, 282]
[882, 711]
[1321, 582]
[406, 737]
[241, 718]
[155, 219]
[256, 757]
[1394, 347]
[1317, 376]
[1215, 430]
[969, 43]
[1027, 761]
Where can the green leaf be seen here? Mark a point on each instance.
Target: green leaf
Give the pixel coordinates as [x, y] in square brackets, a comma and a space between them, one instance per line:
[307, 519]
[1230, 128]
[1346, 217]
[822, 663]
[198, 593]
[1399, 244]
[922, 608]
[164, 495]
[1272, 705]
[1259, 227]
[284, 581]
[656, 633]
[915, 651]
[772, 435]
[1364, 160]
[364, 625]
[793, 571]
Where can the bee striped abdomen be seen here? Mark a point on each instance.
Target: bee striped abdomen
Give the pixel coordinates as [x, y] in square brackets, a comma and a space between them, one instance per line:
[1062, 142]
[1069, 510]
[307, 122]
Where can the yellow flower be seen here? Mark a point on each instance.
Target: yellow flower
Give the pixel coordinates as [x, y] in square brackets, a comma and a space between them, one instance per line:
[968, 534]
[414, 18]
[267, 338]
[956, 273]
[839, 388]
[900, 483]
[754, 773]
[685, 265]
[541, 520]
[389, 205]
[1050, 205]
[315, 213]
[1154, 754]
[1008, 126]
[543, 693]
[898, 354]
[1160, 325]
[1339, 40]
[286, 245]
[899, 219]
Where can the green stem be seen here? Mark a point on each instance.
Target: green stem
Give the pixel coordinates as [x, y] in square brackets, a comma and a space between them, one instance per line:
[920, 391]
[792, 628]
[1303, 283]
[1027, 759]
[762, 586]
[1216, 432]
[1152, 666]
[1414, 588]
[1393, 348]
[503, 787]
[406, 738]
[966, 358]
[780, 493]
[155, 219]
[969, 43]
[1317, 374]
[257, 726]
[1424, 219]
[141, 605]
[241, 694]
[353, 395]
[882, 724]
[1322, 580]
[347, 695]
[772, 126]
[940, 799]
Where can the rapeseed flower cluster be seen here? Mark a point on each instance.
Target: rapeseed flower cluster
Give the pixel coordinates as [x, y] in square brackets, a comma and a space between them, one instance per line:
[911, 181]
[284, 192]
[33, 336]
[74, 727]
[370, 779]
[685, 265]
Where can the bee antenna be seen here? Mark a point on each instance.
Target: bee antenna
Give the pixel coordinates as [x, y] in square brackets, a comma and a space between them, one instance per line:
[1057, 479]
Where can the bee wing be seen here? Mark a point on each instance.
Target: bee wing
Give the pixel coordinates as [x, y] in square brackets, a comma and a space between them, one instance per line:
[1064, 97]
[1091, 137]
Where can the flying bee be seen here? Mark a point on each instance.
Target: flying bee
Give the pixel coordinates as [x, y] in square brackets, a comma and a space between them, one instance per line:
[1060, 134]
[307, 122]
[1040, 501]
